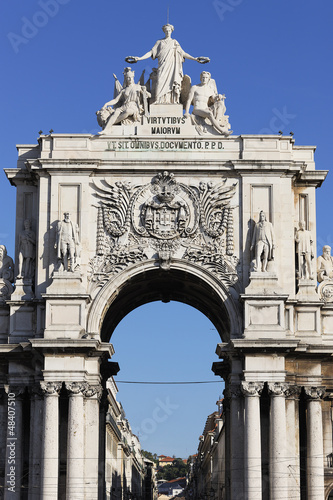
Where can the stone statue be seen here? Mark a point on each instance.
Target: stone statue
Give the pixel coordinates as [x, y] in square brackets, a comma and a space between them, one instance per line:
[6, 274]
[170, 58]
[6, 265]
[67, 244]
[325, 265]
[27, 244]
[304, 251]
[207, 103]
[263, 243]
[127, 104]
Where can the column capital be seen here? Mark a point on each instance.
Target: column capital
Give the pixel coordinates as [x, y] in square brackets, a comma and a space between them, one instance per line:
[315, 393]
[276, 389]
[36, 391]
[293, 392]
[90, 391]
[18, 390]
[252, 388]
[75, 388]
[232, 391]
[50, 388]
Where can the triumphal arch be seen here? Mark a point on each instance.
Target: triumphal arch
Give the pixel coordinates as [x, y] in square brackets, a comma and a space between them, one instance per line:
[165, 203]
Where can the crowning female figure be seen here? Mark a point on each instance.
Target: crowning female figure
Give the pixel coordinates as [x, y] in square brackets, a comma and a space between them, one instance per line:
[170, 58]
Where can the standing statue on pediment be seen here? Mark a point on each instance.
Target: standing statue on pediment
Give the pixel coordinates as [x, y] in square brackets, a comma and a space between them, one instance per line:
[6, 274]
[27, 252]
[67, 244]
[325, 265]
[170, 58]
[305, 252]
[208, 104]
[127, 104]
[6, 265]
[263, 243]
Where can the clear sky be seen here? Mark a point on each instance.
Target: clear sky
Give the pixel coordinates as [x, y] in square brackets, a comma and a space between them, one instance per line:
[273, 60]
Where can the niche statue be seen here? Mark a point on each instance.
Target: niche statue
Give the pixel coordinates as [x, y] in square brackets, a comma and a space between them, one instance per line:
[263, 243]
[67, 244]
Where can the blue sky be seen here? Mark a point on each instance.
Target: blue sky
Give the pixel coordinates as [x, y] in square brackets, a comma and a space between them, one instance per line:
[273, 60]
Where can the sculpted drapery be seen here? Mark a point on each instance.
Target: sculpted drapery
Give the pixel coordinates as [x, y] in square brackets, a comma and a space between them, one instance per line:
[170, 58]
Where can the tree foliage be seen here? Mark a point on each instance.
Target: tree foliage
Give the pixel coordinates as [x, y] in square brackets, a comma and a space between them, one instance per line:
[150, 456]
[173, 471]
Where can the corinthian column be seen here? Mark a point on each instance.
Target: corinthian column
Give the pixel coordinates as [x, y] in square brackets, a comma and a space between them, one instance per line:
[278, 443]
[92, 396]
[315, 447]
[75, 441]
[36, 430]
[236, 420]
[50, 458]
[253, 486]
[293, 446]
[13, 450]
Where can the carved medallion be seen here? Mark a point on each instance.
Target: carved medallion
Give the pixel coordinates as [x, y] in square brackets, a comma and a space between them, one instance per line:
[325, 290]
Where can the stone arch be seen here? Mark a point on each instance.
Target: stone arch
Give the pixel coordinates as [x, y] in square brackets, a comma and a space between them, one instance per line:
[184, 282]
[329, 492]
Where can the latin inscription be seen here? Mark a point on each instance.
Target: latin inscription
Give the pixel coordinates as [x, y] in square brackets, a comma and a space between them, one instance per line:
[165, 120]
[164, 145]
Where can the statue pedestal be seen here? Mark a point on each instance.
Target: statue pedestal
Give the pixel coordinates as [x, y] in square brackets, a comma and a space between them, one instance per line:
[166, 110]
[263, 283]
[66, 282]
[307, 290]
[65, 308]
[23, 290]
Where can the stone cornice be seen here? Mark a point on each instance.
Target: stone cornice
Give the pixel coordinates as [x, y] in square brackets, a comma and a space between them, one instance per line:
[313, 178]
[93, 347]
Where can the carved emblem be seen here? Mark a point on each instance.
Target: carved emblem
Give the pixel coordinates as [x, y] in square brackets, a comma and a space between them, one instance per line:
[166, 214]
[164, 219]
[325, 290]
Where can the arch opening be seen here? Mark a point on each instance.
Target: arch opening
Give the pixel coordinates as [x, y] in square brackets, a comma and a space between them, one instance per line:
[160, 348]
[174, 285]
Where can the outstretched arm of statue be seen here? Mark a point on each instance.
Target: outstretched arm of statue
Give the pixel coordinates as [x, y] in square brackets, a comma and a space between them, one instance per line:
[188, 56]
[134, 59]
[113, 101]
[201, 60]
